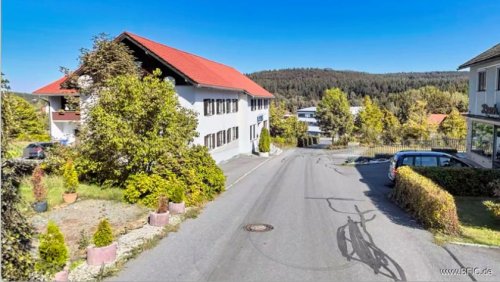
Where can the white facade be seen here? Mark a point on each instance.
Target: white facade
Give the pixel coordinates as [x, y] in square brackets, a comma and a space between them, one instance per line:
[64, 124]
[308, 115]
[483, 122]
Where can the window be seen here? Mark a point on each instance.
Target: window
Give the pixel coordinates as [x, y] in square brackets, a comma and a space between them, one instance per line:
[426, 161]
[235, 106]
[407, 161]
[221, 138]
[208, 106]
[450, 162]
[220, 106]
[253, 104]
[482, 139]
[229, 136]
[210, 141]
[228, 106]
[498, 79]
[481, 81]
[266, 104]
[302, 115]
[252, 132]
[235, 133]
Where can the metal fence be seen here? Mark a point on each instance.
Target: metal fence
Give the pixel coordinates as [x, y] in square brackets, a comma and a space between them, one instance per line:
[441, 144]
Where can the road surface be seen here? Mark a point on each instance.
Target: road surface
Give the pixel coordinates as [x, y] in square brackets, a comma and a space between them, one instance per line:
[331, 223]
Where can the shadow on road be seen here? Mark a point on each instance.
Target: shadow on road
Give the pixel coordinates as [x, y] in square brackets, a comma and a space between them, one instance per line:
[364, 249]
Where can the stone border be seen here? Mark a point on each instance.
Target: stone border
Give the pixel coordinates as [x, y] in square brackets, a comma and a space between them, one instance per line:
[474, 245]
[129, 246]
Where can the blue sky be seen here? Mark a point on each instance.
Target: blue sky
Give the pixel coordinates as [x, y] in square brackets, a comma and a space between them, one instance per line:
[38, 36]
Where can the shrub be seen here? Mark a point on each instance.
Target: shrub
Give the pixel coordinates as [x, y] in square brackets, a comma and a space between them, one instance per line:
[264, 141]
[162, 204]
[176, 189]
[17, 262]
[428, 202]
[52, 251]
[39, 189]
[494, 207]
[70, 177]
[57, 157]
[104, 235]
[145, 189]
[463, 181]
[300, 142]
[310, 140]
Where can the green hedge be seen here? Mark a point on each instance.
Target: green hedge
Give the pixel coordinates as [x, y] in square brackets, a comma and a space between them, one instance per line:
[426, 201]
[463, 181]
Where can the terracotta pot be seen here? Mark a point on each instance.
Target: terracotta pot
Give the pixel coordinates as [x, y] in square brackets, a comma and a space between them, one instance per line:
[100, 255]
[176, 208]
[70, 198]
[40, 206]
[159, 219]
[62, 276]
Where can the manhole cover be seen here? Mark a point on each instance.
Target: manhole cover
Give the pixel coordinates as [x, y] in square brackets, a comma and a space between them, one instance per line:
[259, 227]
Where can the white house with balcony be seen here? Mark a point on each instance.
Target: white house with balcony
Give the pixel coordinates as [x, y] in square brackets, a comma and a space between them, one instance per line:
[483, 118]
[232, 109]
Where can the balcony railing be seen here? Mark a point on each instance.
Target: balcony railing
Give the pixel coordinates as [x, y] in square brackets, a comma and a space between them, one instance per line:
[66, 116]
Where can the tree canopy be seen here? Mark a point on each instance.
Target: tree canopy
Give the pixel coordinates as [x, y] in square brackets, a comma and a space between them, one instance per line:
[370, 121]
[454, 126]
[333, 113]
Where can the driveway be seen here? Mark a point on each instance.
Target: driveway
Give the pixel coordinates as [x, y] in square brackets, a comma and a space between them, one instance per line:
[331, 222]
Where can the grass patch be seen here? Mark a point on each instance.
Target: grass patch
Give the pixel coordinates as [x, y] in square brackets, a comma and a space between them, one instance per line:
[55, 187]
[478, 225]
[16, 148]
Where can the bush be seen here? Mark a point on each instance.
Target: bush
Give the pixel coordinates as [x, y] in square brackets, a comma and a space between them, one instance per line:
[463, 181]
[162, 204]
[494, 207]
[57, 157]
[428, 202]
[176, 189]
[52, 251]
[17, 262]
[145, 189]
[70, 177]
[104, 235]
[39, 189]
[264, 141]
[310, 140]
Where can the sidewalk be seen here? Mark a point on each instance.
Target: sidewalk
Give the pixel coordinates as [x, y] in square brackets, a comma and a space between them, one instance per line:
[237, 167]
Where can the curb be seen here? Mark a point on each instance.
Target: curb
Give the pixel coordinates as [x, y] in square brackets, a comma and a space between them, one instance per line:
[475, 245]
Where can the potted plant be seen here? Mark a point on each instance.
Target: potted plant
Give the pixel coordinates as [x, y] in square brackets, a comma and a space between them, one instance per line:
[176, 194]
[161, 216]
[104, 249]
[70, 181]
[264, 143]
[39, 190]
[53, 253]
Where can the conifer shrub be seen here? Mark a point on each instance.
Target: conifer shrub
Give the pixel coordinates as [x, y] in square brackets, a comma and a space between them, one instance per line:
[264, 141]
[52, 252]
[426, 201]
[176, 189]
[70, 177]
[39, 189]
[104, 234]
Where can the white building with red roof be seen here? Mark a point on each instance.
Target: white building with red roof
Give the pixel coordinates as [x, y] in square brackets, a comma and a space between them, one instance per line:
[232, 109]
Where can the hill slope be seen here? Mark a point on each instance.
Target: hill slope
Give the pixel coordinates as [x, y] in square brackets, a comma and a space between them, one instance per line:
[304, 87]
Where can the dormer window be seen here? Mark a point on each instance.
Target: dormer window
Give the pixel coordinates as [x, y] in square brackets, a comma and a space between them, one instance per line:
[481, 81]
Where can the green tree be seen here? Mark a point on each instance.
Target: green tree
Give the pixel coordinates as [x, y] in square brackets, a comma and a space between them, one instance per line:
[417, 127]
[277, 119]
[106, 60]
[371, 121]
[454, 126]
[53, 252]
[392, 127]
[131, 126]
[333, 113]
[264, 141]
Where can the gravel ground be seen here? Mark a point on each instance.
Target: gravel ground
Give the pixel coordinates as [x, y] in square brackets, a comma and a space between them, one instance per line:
[85, 215]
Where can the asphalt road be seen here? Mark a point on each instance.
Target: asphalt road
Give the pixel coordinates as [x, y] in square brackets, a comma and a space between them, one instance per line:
[331, 223]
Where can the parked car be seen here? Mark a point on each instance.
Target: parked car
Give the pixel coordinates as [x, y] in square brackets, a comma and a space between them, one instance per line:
[423, 158]
[37, 150]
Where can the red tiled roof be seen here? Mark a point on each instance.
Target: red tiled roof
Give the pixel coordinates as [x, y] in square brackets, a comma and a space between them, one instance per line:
[200, 70]
[55, 88]
[436, 118]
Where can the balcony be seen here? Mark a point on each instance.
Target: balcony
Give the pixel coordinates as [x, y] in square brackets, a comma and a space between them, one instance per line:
[63, 116]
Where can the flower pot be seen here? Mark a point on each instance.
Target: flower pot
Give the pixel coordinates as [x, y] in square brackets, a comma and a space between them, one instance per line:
[176, 208]
[70, 198]
[40, 206]
[62, 276]
[264, 154]
[100, 255]
[159, 219]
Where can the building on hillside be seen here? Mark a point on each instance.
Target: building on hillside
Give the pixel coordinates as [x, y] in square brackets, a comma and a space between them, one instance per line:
[308, 115]
[436, 119]
[232, 109]
[483, 118]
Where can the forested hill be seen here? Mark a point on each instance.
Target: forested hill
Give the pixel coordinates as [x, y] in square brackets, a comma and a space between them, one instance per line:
[304, 87]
